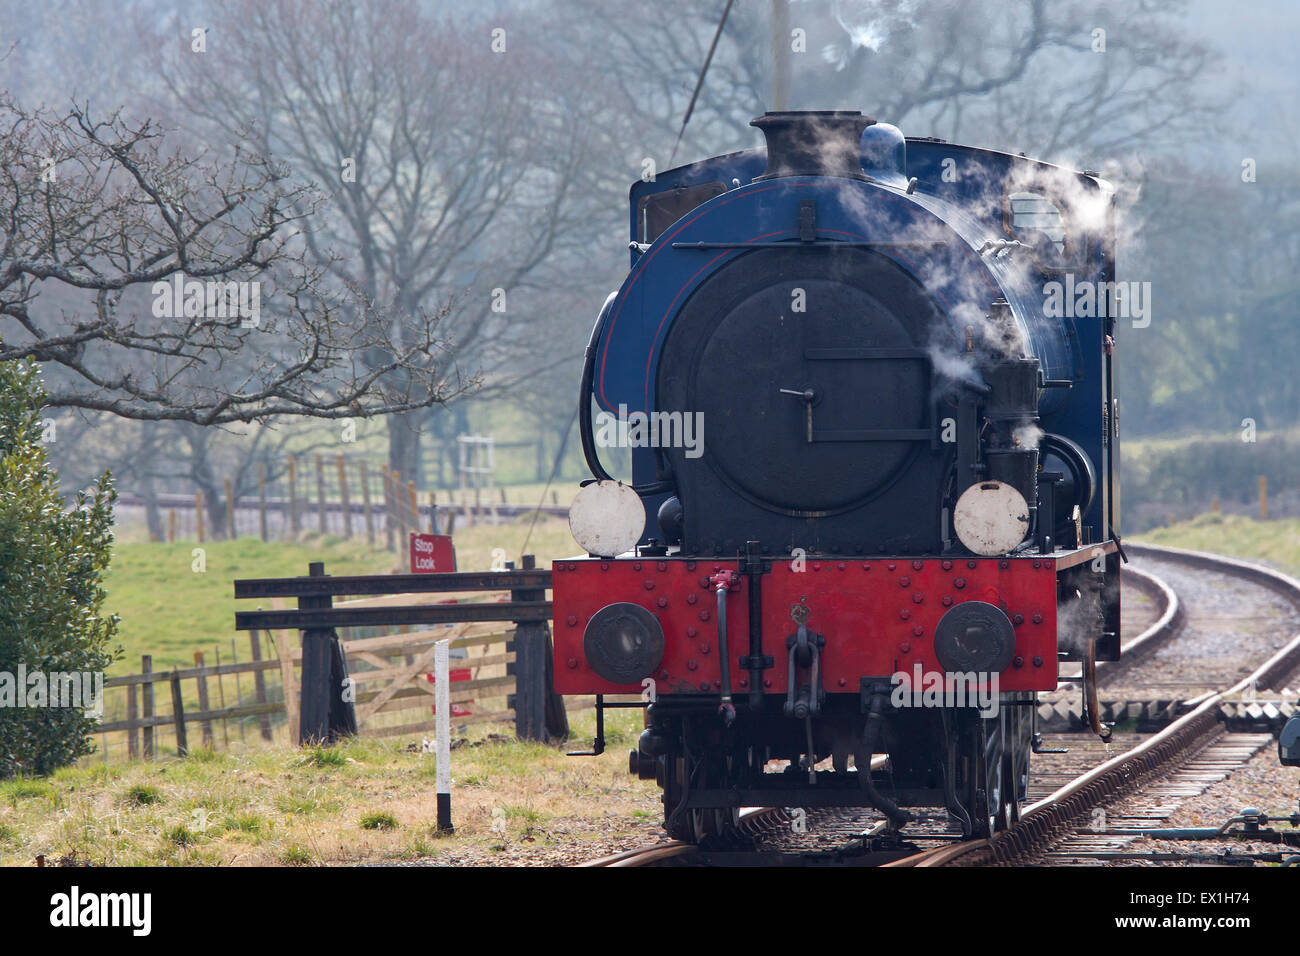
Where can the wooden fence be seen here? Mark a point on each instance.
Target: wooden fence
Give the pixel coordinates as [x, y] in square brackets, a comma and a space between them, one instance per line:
[388, 674]
[390, 680]
[331, 705]
[330, 495]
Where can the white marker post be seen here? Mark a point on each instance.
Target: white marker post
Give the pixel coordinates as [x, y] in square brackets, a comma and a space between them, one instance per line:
[442, 728]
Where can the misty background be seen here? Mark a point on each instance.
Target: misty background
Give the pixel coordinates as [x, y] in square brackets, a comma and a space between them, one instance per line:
[491, 189]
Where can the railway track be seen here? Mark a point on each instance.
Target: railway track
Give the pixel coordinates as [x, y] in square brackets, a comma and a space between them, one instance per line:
[1095, 804]
[1099, 815]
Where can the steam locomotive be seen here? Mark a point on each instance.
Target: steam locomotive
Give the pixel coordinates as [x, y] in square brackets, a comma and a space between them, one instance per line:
[874, 492]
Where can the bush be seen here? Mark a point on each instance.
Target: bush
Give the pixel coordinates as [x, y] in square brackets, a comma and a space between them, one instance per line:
[181, 835]
[20, 789]
[379, 820]
[296, 856]
[51, 593]
[244, 823]
[143, 795]
[1166, 480]
[319, 756]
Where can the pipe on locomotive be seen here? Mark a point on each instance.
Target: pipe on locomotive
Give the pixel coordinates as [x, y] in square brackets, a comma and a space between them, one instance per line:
[722, 582]
[871, 735]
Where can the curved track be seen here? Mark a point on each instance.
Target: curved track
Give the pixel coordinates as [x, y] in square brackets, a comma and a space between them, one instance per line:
[1156, 756]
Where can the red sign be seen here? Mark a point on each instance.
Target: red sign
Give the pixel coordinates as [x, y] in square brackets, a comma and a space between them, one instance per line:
[432, 553]
[453, 676]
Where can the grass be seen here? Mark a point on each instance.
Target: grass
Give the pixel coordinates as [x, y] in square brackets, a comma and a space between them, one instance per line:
[169, 610]
[549, 541]
[249, 823]
[266, 805]
[143, 795]
[181, 835]
[324, 757]
[22, 789]
[275, 805]
[296, 856]
[378, 820]
[1275, 542]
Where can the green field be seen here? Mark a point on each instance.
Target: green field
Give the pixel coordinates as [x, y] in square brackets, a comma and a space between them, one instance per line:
[1275, 542]
[170, 610]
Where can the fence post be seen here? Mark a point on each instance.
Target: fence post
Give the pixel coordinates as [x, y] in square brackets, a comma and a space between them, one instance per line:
[537, 715]
[230, 510]
[239, 687]
[344, 500]
[415, 507]
[461, 448]
[221, 697]
[293, 495]
[171, 524]
[259, 686]
[1263, 497]
[198, 514]
[146, 702]
[365, 503]
[178, 715]
[399, 508]
[325, 715]
[387, 484]
[261, 499]
[132, 715]
[320, 493]
[202, 682]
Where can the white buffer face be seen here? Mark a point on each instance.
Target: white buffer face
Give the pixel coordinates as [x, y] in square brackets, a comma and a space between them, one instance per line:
[991, 518]
[607, 518]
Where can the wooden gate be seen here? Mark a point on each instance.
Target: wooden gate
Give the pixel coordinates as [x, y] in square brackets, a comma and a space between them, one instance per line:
[333, 701]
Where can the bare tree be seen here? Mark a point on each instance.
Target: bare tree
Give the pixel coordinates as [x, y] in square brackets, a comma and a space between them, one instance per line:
[169, 287]
[450, 170]
[1220, 346]
[1045, 76]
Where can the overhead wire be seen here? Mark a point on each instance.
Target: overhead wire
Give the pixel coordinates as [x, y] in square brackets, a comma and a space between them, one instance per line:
[699, 83]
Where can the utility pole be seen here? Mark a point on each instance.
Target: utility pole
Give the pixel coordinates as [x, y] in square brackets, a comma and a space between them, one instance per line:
[780, 54]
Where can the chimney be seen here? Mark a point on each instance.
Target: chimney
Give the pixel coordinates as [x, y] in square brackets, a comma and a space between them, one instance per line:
[813, 143]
